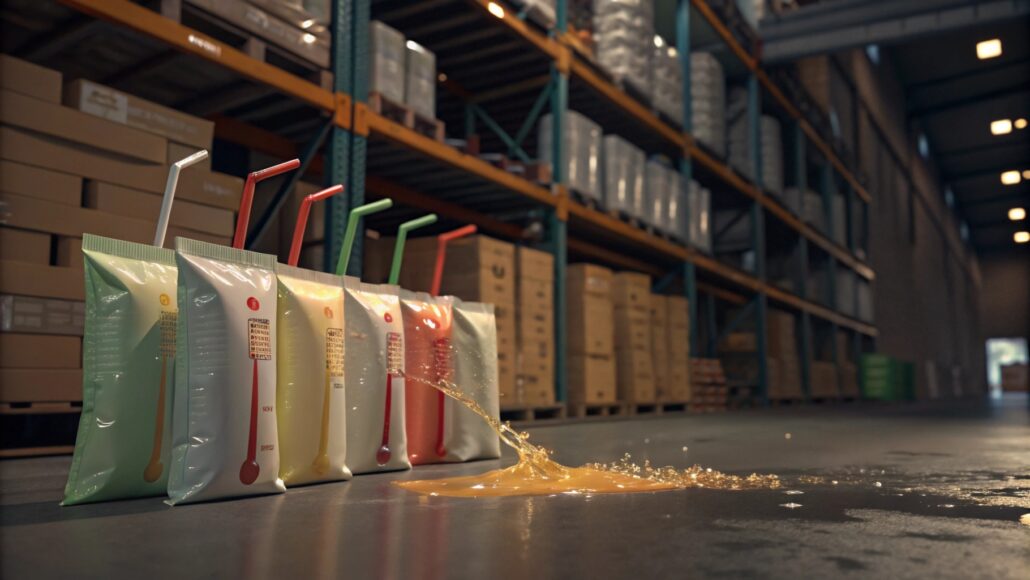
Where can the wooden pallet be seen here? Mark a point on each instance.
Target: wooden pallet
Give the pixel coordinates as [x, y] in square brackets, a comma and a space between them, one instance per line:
[707, 408]
[252, 45]
[31, 408]
[583, 410]
[526, 413]
[586, 200]
[785, 401]
[644, 408]
[674, 407]
[626, 218]
[405, 115]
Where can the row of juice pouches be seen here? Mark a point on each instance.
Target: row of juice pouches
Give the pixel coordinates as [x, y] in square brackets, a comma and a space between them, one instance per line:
[213, 372]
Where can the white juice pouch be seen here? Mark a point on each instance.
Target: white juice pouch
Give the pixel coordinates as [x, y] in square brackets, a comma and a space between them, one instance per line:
[474, 358]
[310, 398]
[374, 380]
[224, 440]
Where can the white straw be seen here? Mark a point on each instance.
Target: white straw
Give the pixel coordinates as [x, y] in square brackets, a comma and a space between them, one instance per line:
[173, 181]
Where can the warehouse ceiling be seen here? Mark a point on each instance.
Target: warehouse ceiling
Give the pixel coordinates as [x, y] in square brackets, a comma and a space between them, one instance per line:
[953, 97]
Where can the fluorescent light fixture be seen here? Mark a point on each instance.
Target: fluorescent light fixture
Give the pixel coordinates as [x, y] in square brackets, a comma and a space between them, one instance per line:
[307, 23]
[988, 49]
[412, 45]
[658, 41]
[308, 38]
[498, 11]
[1021, 237]
[1020, 123]
[1010, 177]
[1017, 214]
[1001, 127]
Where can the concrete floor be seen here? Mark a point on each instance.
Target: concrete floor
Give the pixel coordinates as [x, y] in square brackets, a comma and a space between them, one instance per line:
[923, 491]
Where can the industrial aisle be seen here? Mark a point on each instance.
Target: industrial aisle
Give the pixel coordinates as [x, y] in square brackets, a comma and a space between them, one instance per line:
[922, 491]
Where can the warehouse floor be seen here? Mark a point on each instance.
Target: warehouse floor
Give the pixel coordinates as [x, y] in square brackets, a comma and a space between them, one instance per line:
[933, 490]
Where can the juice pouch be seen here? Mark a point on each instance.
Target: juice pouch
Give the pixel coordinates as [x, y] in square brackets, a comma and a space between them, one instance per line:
[310, 397]
[427, 362]
[121, 450]
[223, 425]
[374, 378]
[474, 359]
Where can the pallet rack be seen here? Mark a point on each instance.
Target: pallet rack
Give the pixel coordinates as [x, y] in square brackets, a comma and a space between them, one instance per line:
[529, 70]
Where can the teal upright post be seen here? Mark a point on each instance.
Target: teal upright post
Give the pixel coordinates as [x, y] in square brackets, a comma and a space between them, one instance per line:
[338, 147]
[556, 226]
[801, 281]
[758, 238]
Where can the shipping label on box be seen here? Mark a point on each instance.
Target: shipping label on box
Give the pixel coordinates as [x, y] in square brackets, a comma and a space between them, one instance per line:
[29, 314]
[584, 279]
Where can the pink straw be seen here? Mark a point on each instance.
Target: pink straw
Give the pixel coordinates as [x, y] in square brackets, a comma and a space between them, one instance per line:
[243, 220]
[302, 220]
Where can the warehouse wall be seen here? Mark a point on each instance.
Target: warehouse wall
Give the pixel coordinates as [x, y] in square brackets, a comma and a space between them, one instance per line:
[927, 288]
[1005, 301]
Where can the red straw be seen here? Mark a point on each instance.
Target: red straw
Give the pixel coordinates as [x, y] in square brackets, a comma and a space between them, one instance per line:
[243, 220]
[441, 253]
[302, 220]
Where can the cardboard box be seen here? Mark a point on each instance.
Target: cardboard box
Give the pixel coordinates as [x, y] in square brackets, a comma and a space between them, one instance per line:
[69, 252]
[24, 246]
[40, 385]
[180, 151]
[739, 342]
[120, 200]
[588, 279]
[39, 351]
[210, 188]
[71, 125]
[107, 103]
[849, 380]
[660, 346]
[781, 334]
[632, 290]
[45, 216]
[535, 293]
[535, 265]
[257, 21]
[634, 375]
[535, 325]
[27, 314]
[29, 79]
[591, 325]
[41, 280]
[679, 381]
[823, 380]
[42, 151]
[784, 378]
[632, 329]
[40, 183]
[679, 312]
[591, 379]
[477, 267]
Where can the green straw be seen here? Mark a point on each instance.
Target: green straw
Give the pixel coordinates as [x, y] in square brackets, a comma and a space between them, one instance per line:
[402, 235]
[352, 227]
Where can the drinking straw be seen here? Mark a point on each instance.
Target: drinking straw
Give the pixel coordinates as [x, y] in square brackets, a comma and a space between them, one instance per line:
[402, 236]
[302, 220]
[170, 185]
[441, 253]
[243, 220]
[352, 226]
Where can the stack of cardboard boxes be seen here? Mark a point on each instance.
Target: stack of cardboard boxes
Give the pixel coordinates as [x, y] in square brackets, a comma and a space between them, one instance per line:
[591, 348]
[783, 366]
[823, 380]
[534, 334]
[83, 158]
[677, 340]
[708, 381]
[631, 293]
[478, 268]
[848, 369]
[660, 346]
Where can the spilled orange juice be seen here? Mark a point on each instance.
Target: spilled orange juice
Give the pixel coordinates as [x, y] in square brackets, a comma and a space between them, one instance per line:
[536, 473]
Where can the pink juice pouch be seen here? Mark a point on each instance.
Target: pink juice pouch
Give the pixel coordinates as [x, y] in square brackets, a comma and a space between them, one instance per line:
[427, 361]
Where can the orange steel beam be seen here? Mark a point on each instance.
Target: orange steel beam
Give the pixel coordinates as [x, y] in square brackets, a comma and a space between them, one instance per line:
[724, 33]
[243, 134]
[380, 187]
[187, 40]
[727, 295]
[382, 127]
[641, 113]
[520, 28]
[613, 258]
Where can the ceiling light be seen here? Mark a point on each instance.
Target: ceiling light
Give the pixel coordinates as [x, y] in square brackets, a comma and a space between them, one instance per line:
[658, 41]
[988, 49]
[1021, 237]
[442, 77]
[497, 11]
[307, 23]
[1010, 177]
[1026, 174]
[1001, 127]
[308, 38]
[1020, 123]
[1017, 214]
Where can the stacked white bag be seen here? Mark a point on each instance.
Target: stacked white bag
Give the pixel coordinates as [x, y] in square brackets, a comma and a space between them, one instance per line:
[667, 82]
[582, 152]
[772, 154]
[656, 193]
[386, 70]
[623, 40]
[623, 177]
[676, 223]
[708, 102]
[699, 200]
[739, 156]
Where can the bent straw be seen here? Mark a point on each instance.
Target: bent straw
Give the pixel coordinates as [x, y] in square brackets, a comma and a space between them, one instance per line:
[402, 236]
[243, 220]
[302, 220]
[352, 226]
[170, 185]
[441, 253]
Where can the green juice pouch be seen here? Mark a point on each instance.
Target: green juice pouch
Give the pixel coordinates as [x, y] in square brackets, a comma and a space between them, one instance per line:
[123, 441]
